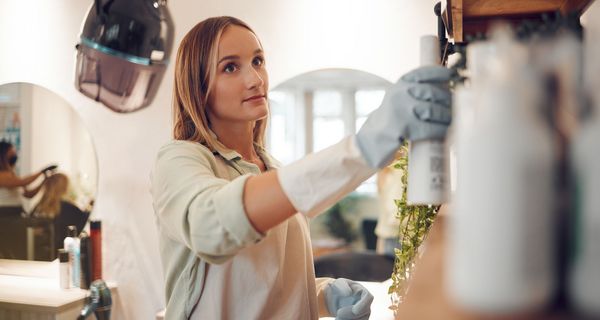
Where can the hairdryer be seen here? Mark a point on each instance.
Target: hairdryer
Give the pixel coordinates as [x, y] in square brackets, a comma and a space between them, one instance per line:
[100, 302]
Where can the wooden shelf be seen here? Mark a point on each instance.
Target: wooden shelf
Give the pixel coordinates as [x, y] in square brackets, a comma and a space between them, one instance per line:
[428, 297]
[466, 17]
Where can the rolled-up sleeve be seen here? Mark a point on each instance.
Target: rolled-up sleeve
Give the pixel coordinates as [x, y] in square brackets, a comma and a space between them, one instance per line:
[195, 207]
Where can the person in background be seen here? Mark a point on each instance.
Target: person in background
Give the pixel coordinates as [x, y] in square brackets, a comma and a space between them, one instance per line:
[12, 187]
[233, 223]
[54, 206]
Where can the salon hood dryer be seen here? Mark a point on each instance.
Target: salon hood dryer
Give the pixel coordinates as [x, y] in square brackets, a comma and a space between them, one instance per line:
[123, 52]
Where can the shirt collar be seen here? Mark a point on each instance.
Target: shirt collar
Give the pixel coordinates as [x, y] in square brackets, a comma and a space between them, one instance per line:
[230, 154]
[223, 151]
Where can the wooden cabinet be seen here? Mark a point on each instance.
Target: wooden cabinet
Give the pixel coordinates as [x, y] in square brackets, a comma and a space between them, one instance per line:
[469, 17]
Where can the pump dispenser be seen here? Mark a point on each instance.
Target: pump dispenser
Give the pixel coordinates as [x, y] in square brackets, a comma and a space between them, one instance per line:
[500, 232]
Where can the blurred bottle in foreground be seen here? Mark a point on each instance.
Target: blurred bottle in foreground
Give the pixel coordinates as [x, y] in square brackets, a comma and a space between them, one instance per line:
[501, 230]
[584, 286]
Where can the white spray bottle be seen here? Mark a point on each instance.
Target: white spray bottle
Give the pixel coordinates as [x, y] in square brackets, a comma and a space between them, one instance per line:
[426, 164]
[71, 245]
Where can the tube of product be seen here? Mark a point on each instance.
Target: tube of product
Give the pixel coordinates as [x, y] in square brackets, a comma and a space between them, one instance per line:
[63, 269]
[71, 244]
[96, 239]
[85, 248]
[426, 172]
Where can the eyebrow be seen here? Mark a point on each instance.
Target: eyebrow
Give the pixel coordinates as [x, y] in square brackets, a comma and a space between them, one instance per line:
[235, 57]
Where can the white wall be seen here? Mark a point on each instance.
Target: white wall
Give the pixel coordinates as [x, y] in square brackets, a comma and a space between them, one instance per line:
[37, 39]
[50, 131]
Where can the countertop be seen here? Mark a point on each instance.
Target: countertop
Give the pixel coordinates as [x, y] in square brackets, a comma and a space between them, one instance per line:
[34, 286]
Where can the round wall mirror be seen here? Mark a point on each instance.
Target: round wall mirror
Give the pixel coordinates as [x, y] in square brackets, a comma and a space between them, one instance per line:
[48, 172]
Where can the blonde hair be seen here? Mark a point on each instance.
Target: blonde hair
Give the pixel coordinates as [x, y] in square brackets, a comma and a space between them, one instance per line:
[55, 188]
[195, 69]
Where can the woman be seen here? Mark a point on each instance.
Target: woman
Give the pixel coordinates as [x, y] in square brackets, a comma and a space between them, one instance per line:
[232, 242]
[10, 183]
[55, 189]
[12, 225]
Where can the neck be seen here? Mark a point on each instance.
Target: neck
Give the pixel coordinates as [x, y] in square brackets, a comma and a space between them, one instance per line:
[238, 137]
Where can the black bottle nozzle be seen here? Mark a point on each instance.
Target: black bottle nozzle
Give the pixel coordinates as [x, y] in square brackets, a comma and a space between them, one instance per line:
[100, 302]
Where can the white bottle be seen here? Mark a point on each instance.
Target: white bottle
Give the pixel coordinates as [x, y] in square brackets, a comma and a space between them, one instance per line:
[63, 269]
[71, 245]
[464, 108]
[500, 233]
[426, 171]
[584, 278]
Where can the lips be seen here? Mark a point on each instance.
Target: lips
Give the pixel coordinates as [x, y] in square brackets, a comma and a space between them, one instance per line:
[254, 98]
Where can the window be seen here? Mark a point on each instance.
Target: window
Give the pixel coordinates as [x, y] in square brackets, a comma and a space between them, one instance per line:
[316, 111]
[328, 123]
[366, 102]
[282, 129]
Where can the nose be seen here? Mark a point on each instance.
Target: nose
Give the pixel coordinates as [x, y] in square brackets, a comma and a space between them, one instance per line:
[254, 79]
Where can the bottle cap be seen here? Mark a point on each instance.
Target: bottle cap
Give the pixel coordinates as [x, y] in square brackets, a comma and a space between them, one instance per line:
[72, 231]
[63, 255]
[95, 224]
[430, 50]
[84, 242]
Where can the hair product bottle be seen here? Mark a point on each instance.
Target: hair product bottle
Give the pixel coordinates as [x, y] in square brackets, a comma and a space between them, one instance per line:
[584, 278]
[85, 256]
[464, 109]
[426, 172]
[500, 232]
[63, 269]
[71, 245]
[96, 239]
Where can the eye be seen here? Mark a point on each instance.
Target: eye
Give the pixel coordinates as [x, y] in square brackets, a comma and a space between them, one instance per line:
[230, 68]
[258, 61]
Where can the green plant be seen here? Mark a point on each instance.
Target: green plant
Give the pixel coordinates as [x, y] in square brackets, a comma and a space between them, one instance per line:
[414, 225]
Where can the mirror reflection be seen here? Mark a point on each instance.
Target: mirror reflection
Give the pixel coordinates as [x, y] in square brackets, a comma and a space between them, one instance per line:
[48, 172]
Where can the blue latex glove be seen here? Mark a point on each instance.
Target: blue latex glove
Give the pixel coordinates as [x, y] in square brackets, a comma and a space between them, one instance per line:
[417, 107]
[348, 300]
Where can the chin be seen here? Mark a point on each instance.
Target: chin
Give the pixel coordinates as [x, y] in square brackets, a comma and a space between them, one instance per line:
[262, 112]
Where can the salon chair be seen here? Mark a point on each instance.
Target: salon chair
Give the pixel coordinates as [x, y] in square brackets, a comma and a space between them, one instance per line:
[13, 241]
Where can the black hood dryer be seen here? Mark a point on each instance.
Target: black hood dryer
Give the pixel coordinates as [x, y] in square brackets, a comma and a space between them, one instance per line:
[123, 52]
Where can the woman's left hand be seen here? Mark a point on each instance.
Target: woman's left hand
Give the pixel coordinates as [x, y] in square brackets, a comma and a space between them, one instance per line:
[348, 300]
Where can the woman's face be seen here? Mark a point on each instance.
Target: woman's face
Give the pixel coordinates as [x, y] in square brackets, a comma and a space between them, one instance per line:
[240, 86]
